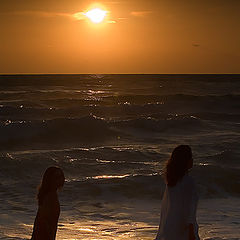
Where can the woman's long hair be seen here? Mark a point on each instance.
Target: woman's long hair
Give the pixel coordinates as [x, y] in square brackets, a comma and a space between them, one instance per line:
[52, 180]
[178, 164]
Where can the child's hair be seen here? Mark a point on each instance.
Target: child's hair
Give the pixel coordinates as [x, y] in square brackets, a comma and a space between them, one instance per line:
[52, 180]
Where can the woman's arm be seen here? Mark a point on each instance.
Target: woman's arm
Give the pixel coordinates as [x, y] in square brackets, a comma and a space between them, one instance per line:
[191, 232]
[191, 207]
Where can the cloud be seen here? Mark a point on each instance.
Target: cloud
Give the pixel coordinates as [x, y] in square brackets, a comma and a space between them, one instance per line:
[42, 14]
[78, 16]
[196, 45]
[113, 2]
[140, 13]
[111, 21]
[82, 16]
[74, 16]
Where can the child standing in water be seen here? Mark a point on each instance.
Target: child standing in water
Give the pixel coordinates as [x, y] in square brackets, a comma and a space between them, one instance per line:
[45, 224]
[179, 203]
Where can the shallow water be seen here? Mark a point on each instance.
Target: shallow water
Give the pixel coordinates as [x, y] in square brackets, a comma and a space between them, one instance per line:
[134, 219]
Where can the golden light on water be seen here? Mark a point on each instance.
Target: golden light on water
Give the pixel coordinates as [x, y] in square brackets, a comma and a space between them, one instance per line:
[96, 15]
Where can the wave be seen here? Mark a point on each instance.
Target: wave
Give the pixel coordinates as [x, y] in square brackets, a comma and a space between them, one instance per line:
[119, 113]
[172, 123]
[220, 158]
[89, 128]
[226, 106]
[56, 131]
[173, 97]
[108, 172]
[107, 97]
[180, 102]
[70, 79]
[217, 182]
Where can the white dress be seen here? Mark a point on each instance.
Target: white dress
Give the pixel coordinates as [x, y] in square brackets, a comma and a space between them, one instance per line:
[179, 205]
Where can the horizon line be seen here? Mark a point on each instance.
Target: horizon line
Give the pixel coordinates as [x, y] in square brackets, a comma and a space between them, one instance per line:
[15, 74]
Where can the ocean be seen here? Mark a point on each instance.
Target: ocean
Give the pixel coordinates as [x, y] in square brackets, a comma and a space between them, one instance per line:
[111, 135]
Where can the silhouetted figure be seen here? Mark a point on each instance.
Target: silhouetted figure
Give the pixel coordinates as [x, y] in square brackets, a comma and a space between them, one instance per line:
[179, 203]
[45, 224]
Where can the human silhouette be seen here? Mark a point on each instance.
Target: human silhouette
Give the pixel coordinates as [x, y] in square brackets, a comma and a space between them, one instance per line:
[179, 203]
[45, 224]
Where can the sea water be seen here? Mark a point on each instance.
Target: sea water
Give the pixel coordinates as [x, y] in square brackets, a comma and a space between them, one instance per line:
[111, 135]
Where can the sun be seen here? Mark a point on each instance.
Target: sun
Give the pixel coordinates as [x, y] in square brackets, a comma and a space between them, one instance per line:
[96, 15]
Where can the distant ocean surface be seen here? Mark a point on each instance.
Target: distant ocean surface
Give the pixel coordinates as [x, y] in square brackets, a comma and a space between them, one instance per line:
[111, 135]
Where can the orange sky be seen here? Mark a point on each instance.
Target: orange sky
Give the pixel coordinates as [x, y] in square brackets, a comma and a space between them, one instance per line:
[138, 36]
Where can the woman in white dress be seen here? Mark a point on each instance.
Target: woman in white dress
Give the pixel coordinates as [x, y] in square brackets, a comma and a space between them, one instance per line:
[179, 203]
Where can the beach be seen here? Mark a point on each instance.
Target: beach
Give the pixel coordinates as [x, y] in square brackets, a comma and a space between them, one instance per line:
[111, 135]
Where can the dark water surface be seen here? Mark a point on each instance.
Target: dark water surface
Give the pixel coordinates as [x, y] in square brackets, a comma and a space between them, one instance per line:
[111, 135]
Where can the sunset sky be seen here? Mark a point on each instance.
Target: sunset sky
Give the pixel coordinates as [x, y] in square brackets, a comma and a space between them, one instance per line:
[137, 36]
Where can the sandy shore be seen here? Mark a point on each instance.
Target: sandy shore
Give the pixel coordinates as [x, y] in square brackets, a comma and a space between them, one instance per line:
[218, 219]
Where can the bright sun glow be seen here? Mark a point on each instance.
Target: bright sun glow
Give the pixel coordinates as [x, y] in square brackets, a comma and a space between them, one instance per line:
[96, 15]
